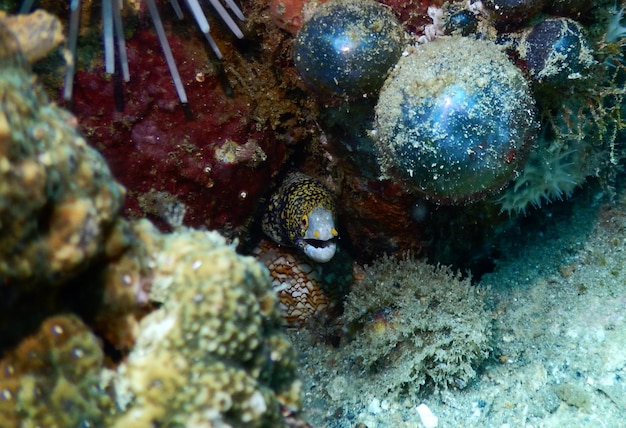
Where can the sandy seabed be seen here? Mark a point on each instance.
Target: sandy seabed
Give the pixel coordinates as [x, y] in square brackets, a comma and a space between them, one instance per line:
[559, 360]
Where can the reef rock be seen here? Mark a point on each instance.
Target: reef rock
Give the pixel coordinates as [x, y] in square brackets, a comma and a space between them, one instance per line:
[212, 354]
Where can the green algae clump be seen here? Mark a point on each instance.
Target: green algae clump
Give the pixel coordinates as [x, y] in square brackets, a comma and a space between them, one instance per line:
[214, 352]
[416, 326]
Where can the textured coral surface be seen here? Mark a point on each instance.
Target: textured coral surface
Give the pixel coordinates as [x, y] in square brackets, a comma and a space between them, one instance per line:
[52, 378]
[56, 195]
[58, 200]
[214, 342]
[213, 351]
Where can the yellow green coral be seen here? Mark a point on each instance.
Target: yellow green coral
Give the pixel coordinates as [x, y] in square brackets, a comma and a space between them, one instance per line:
[213, 354]
[52, 379]
[57, 195]
[213, 351]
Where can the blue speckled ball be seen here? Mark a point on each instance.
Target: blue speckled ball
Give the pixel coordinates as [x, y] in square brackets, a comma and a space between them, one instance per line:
[348, 46]
[513, 11]
[463, 22]
[557, 52]
[454, 120]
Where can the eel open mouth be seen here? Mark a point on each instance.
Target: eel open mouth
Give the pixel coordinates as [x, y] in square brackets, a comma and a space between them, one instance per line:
[319, 250]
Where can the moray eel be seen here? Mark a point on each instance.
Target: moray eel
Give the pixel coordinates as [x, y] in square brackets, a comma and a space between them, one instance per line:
[301, 213]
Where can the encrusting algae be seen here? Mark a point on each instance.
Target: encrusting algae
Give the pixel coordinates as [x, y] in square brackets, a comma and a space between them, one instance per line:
[212, 354]
[408, 328]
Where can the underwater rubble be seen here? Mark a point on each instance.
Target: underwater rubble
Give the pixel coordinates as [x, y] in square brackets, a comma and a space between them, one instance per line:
[120, 309]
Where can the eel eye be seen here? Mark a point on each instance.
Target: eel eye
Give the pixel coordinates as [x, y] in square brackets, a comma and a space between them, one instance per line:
[305, 221]
[334, 232]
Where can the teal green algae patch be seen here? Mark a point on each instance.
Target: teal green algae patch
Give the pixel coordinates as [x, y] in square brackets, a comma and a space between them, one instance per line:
[416, 325]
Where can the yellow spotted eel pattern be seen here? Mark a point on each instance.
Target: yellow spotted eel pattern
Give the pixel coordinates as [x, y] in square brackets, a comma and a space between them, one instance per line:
[285, 217]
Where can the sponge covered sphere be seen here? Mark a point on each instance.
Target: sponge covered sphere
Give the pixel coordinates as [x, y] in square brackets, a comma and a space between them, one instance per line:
[454, 120]
[348, 46]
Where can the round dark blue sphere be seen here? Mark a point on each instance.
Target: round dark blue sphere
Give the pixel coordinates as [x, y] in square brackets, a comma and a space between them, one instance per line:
[513, 11]
[463, 22]
[348, 46]
[454, 120]
[557, 52]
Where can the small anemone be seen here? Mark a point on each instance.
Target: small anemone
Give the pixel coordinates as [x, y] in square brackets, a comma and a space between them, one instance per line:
[546, 177]
[615, 30]
[113, 35]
